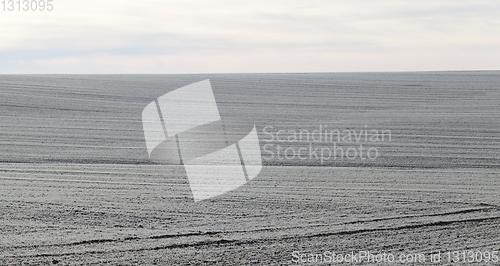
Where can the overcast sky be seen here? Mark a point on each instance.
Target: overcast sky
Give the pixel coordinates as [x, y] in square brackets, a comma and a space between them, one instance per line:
[154, 36]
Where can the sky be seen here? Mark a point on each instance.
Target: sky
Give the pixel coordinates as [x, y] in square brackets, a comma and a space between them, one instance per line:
[222, 36]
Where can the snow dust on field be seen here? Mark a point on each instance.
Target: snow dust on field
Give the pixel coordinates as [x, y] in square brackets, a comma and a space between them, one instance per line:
[128, 214]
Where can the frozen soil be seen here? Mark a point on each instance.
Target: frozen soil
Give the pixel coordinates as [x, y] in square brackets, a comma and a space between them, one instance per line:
[85, 214]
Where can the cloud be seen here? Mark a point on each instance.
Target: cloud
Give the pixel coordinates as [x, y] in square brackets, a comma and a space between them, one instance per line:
[253, 36]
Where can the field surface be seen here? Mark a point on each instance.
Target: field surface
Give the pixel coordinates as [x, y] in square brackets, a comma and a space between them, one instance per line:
[77, 186]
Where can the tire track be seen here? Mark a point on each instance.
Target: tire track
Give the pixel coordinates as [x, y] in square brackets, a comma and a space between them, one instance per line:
[211, 233]
[223, 241]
